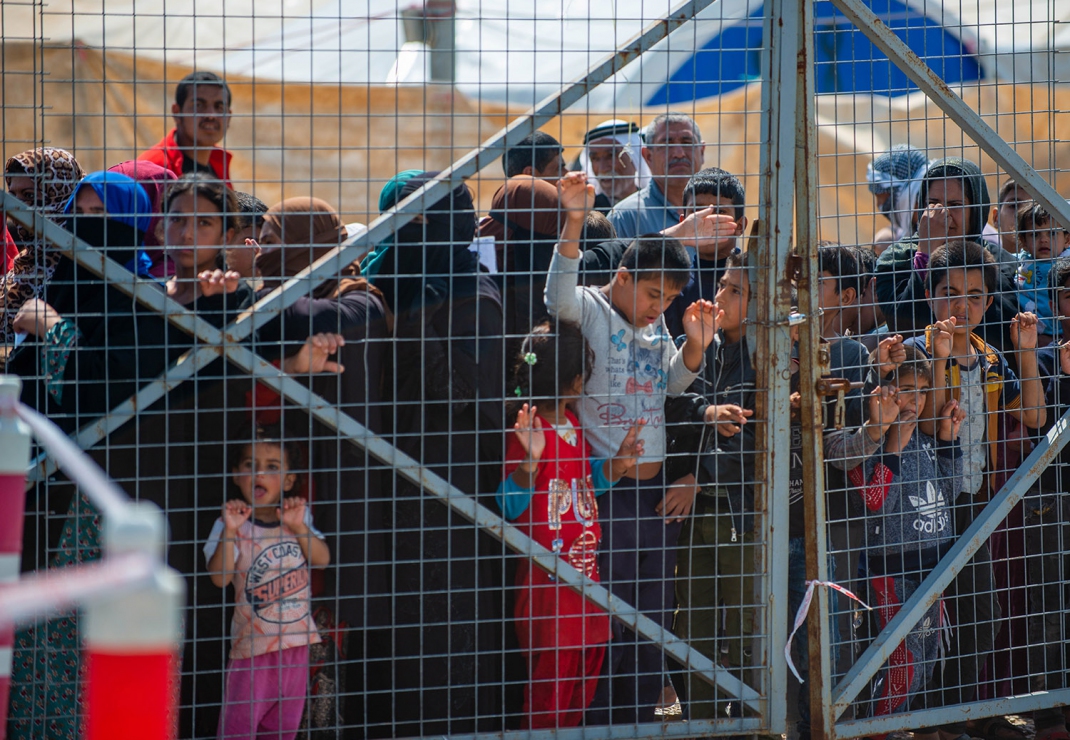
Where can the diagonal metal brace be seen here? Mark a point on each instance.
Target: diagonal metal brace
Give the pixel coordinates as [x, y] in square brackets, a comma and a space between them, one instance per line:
[968, 543]
[466, 506]
[552, 106]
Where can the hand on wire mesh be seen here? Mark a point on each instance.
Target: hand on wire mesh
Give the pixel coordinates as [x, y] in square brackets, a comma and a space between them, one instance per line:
[943, 336]
[950, 421]
[35, 317]
[235, 514]
[629, 452]
[312, 357]
[529, 432]
[292, 513]
[727, 418]
[575, 194]
[216, 282]
[890, 354]
[1064, 356]
[883, 409]
[679, 498]
[704, 227]
[1024, 331]
[702, 319]
[934, 227]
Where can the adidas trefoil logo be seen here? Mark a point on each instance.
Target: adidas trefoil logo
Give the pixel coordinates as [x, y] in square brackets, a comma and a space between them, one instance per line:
[932, 510]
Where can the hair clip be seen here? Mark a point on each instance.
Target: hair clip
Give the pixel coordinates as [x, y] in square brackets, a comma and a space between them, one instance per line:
[518, 392]
[530, 358]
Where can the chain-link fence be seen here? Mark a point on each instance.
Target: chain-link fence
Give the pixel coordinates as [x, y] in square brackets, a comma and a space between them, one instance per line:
[580, 349]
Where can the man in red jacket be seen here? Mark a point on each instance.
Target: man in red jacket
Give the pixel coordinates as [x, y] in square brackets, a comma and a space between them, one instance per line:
[202, 116]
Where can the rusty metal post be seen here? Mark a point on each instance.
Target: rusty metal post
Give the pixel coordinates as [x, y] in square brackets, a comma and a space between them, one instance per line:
[819, 675]
[770, 309]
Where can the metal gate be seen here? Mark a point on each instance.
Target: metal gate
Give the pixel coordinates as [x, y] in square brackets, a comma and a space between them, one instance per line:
[788, 213]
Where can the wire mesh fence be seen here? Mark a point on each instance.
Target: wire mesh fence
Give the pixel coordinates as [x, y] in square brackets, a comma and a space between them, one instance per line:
[580, 349]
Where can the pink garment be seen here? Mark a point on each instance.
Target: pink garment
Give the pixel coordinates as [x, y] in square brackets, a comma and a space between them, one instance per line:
[272, 590]
[154, 179]
[265, 695]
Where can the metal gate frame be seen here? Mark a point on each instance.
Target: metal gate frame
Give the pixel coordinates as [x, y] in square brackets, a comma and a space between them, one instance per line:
[829, 703]
[769, 319]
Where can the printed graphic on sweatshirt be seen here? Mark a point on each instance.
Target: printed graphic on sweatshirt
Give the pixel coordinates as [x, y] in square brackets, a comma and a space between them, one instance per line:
[277, 584]
[795, 476]
[931, 510]
[583, 555]
[645, 373]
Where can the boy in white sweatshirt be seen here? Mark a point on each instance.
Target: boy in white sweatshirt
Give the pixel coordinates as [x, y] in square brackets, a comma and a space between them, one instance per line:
[636, 365]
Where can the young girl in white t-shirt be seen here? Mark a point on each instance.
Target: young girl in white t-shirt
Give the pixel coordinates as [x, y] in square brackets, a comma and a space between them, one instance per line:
[268, 544]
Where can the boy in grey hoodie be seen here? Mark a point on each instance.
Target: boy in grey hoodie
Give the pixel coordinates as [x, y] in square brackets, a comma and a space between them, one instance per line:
[905, 491]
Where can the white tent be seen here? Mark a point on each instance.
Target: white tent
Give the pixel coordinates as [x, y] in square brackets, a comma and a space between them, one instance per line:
[514, 51]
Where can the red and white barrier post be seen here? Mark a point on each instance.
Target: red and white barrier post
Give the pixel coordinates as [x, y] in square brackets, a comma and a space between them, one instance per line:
[133, 639]
[15, 439]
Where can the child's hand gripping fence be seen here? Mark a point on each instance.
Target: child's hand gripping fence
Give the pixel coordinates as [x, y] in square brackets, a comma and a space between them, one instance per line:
[132, 600]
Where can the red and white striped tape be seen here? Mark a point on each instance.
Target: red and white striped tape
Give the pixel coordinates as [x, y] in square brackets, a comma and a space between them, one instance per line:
[804, 610]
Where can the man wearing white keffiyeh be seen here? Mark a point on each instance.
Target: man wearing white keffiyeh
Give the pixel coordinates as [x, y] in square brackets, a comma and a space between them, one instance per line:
[894, 178]
[611, 158]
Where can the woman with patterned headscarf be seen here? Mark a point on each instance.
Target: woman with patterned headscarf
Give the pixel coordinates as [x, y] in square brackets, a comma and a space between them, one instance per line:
[44, 180]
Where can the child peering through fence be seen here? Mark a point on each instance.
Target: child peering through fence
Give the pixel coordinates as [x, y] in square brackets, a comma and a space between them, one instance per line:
[904, 492]
[636, 365]
[550, 489]
[264, 543]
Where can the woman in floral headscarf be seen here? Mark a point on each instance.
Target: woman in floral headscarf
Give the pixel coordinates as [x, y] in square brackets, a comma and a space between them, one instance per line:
[44, 179]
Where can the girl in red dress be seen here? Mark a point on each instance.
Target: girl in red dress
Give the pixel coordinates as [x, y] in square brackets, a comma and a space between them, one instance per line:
[549, 491]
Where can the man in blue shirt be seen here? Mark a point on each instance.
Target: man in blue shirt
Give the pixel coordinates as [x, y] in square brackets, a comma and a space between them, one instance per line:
[674, 151]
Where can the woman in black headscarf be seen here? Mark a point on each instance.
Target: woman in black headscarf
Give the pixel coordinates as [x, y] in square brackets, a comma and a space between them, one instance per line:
[439, 587]
[952, 203]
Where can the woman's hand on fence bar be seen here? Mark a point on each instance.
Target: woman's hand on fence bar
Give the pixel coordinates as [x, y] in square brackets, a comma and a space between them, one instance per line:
[934, 228]
[35, 317]
[216, 282]
[312, 357]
